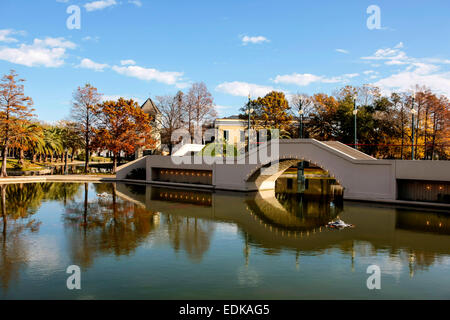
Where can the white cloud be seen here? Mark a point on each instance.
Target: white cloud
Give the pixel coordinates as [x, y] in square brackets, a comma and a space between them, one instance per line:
[391, 56]
[405, 80]
[258, 39]
[342, 51]
[243, 89]
[298, 79]
[137, 3]
[167, 77]
[421, 71]
[49, 52]
[351, 75]
[89, 64]
[307, 78]
[127, 62]
[125, 96]
[5, 35]
[99, 5]
[222, 110]
[89, 38]
[55, 43]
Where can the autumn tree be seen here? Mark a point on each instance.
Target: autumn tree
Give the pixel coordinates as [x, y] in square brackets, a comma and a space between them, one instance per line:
[122, 127]
[322, 120]
[84, 113]
[172, 110]
[14, 107]
[199, 106]
[275, 111]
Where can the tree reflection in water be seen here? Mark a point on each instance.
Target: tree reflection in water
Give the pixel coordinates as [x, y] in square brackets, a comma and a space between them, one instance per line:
[107, 225]
[190, 234]
[19, 204]
[186, 221]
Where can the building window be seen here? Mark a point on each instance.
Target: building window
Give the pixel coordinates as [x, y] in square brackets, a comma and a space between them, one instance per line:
[226, 135]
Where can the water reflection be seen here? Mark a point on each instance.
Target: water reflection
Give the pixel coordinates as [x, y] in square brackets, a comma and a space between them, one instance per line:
[19, 205]
[106, 225]
[188, 222]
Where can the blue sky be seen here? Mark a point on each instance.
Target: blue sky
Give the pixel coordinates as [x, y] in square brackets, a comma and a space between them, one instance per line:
[147, 48]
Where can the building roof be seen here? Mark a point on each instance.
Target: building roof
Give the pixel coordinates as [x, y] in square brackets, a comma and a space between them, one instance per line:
[150, 107]
[232, 117]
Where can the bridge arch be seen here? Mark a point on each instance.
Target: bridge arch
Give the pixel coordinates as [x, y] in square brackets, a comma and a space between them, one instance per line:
[267, 181]
[361, 176]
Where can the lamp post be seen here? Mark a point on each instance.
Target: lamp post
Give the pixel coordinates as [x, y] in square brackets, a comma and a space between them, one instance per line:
[300, 165]
[413, 112]
[355, 112]
[300, 129]
[66, 153]
[249, 111]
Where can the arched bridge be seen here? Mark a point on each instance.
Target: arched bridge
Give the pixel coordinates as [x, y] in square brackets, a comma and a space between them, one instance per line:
[362, 176]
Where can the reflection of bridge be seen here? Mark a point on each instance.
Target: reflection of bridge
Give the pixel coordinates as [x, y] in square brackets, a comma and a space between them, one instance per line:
[363, 177]
[376, 225]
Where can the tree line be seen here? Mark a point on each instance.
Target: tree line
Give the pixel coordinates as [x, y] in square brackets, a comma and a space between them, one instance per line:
[384, 122]
[117, 126]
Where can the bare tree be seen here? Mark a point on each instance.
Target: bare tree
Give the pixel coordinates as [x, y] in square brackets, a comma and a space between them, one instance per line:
[84, 108]
[173, 112]
[199, 106]
[302, 101]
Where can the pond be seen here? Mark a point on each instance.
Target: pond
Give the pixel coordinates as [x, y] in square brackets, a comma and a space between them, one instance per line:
[146, 242]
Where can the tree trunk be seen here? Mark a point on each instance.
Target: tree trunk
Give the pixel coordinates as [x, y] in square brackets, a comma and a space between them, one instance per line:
[114, 163]
[3, 204]
[21, 157]
[33, 159]
[86, 145]
[403, 135]
[65, 161]
[5, 156]
[85, 211]
[425, 154]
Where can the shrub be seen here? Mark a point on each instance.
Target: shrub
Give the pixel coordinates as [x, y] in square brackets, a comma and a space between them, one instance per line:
[227, 149]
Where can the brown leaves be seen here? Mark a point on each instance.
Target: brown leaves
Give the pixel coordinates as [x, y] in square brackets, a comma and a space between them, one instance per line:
[123, 126]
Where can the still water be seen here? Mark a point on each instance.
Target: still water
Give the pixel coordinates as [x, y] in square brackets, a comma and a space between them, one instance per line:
[143, 242]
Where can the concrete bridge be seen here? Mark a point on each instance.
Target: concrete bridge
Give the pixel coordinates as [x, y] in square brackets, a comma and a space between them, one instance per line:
[362, 176]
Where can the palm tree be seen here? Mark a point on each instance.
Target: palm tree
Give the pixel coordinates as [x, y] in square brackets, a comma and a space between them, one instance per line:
[53, 143]
[27, 136]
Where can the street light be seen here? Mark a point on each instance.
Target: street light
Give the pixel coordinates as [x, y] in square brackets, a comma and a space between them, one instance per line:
[249, 111]
[413, 113]
[355, 112]
[301, 164]
[300, 129]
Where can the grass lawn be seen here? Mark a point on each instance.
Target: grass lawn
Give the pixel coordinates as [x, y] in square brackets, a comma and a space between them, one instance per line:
[13, 164]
